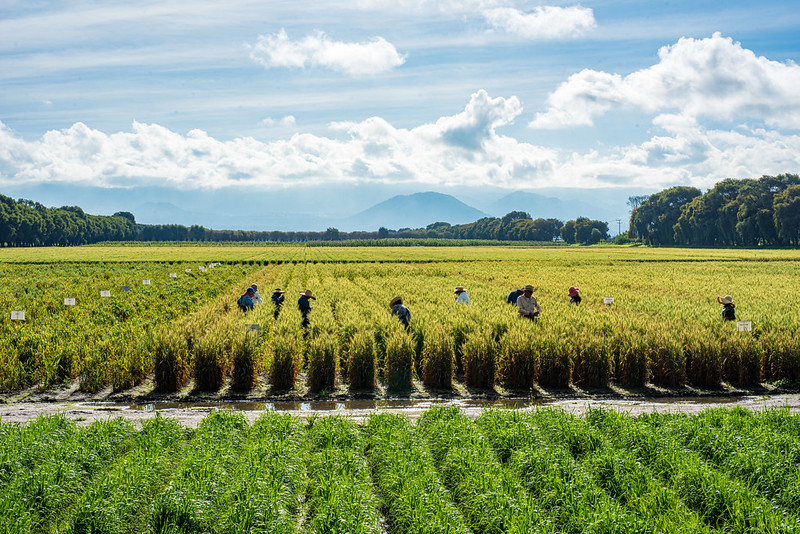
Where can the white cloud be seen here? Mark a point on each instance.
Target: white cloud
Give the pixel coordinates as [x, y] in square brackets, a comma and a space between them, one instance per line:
[461, 149]
[543, 23]
[286, 122]
[713, 78]
[318, 50]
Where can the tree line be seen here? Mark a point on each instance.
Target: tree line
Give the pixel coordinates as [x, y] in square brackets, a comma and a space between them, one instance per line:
[27, 223]
[735, 212]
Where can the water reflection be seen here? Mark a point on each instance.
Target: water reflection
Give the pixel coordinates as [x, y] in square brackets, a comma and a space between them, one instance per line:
[339, 405]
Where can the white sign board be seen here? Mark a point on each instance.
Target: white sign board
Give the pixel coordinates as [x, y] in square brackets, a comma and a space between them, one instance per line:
[69, 302]
[145, 282]
[188, 270]
[106, 293]
[608, 300]
[252, 328]
[125, 288]
[17, 315]
[744, 326]
[202, 269]
[173, 275]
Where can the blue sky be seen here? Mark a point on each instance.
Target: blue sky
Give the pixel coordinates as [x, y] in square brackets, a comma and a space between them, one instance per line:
[514, 94]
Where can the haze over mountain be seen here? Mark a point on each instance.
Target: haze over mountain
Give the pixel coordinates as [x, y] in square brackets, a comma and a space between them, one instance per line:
[351, 208]
[413, 211]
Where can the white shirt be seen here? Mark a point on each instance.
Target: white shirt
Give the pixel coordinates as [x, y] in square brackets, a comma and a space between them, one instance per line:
[463, 297]
[527, 305]
[257, 298]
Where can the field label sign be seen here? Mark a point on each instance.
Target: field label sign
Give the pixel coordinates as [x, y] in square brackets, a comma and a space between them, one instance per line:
[69, 302]
[145, 282]
[173, 275]
[106, 293]
[188, 270]
[744, 326]
[17, 315]
[125, 288]
[608, 300]
[252, 328]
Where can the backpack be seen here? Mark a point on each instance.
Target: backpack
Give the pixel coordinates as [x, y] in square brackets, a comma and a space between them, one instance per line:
[240, 302]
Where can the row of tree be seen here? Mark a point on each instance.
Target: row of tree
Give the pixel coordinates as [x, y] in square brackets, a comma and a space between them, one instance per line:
[28, 223]
[744, 212]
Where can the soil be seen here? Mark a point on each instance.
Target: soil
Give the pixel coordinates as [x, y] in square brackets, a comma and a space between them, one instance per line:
[189, 406]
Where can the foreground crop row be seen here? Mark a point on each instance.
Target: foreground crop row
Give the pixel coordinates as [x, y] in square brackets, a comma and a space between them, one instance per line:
[507, 471]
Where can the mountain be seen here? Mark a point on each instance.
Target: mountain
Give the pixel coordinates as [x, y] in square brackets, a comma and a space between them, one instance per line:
[548, 207]
[417, 210]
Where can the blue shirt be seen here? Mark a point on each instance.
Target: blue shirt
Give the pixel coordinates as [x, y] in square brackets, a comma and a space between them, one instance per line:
[246, 302]
[277, 299]
[513, 296]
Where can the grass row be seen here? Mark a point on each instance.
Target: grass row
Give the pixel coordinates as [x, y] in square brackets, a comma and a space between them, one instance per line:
[507, 471]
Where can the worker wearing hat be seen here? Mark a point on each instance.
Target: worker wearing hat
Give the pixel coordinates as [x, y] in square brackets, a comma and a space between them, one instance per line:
[574, 295]
[526, 304]
[277, 299]
[304, 304]
[400, 310]
[728, 308]
[461, 295]
[245, 302]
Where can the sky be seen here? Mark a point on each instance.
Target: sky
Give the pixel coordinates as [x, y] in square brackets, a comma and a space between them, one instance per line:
[208, 95]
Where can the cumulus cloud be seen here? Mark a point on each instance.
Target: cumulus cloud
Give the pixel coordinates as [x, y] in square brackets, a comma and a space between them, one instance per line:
[543, 23]
[705, 78]
[457, 150]
[460, 149]
[318, 50]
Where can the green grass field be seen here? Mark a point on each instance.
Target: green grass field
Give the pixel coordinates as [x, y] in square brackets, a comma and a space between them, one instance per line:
[723, 471]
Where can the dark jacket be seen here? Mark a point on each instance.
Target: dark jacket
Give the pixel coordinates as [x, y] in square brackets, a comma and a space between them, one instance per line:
[304, 305]
[728, 312]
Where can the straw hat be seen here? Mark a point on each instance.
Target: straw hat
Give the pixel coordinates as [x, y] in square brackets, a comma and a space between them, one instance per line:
[460, 289]
[395, 301]
[528, 288]
[727, 299]
[254, 286]
[307, 293]
[279, 290]
[573, 291]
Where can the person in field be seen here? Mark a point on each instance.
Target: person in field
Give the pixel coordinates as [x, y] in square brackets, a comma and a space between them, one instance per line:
[256, 295]
[728, 311]
[574, 295]
[526, 304]
[245, 302]
[513, 296]
[304, 305]
[461, 295]
[400, 310]
[277, 299]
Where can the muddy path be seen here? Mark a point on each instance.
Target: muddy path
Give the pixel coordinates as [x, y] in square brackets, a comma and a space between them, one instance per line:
[192, 412]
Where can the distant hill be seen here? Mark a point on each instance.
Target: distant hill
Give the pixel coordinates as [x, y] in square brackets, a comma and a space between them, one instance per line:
[412, 211]
[547, 207]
